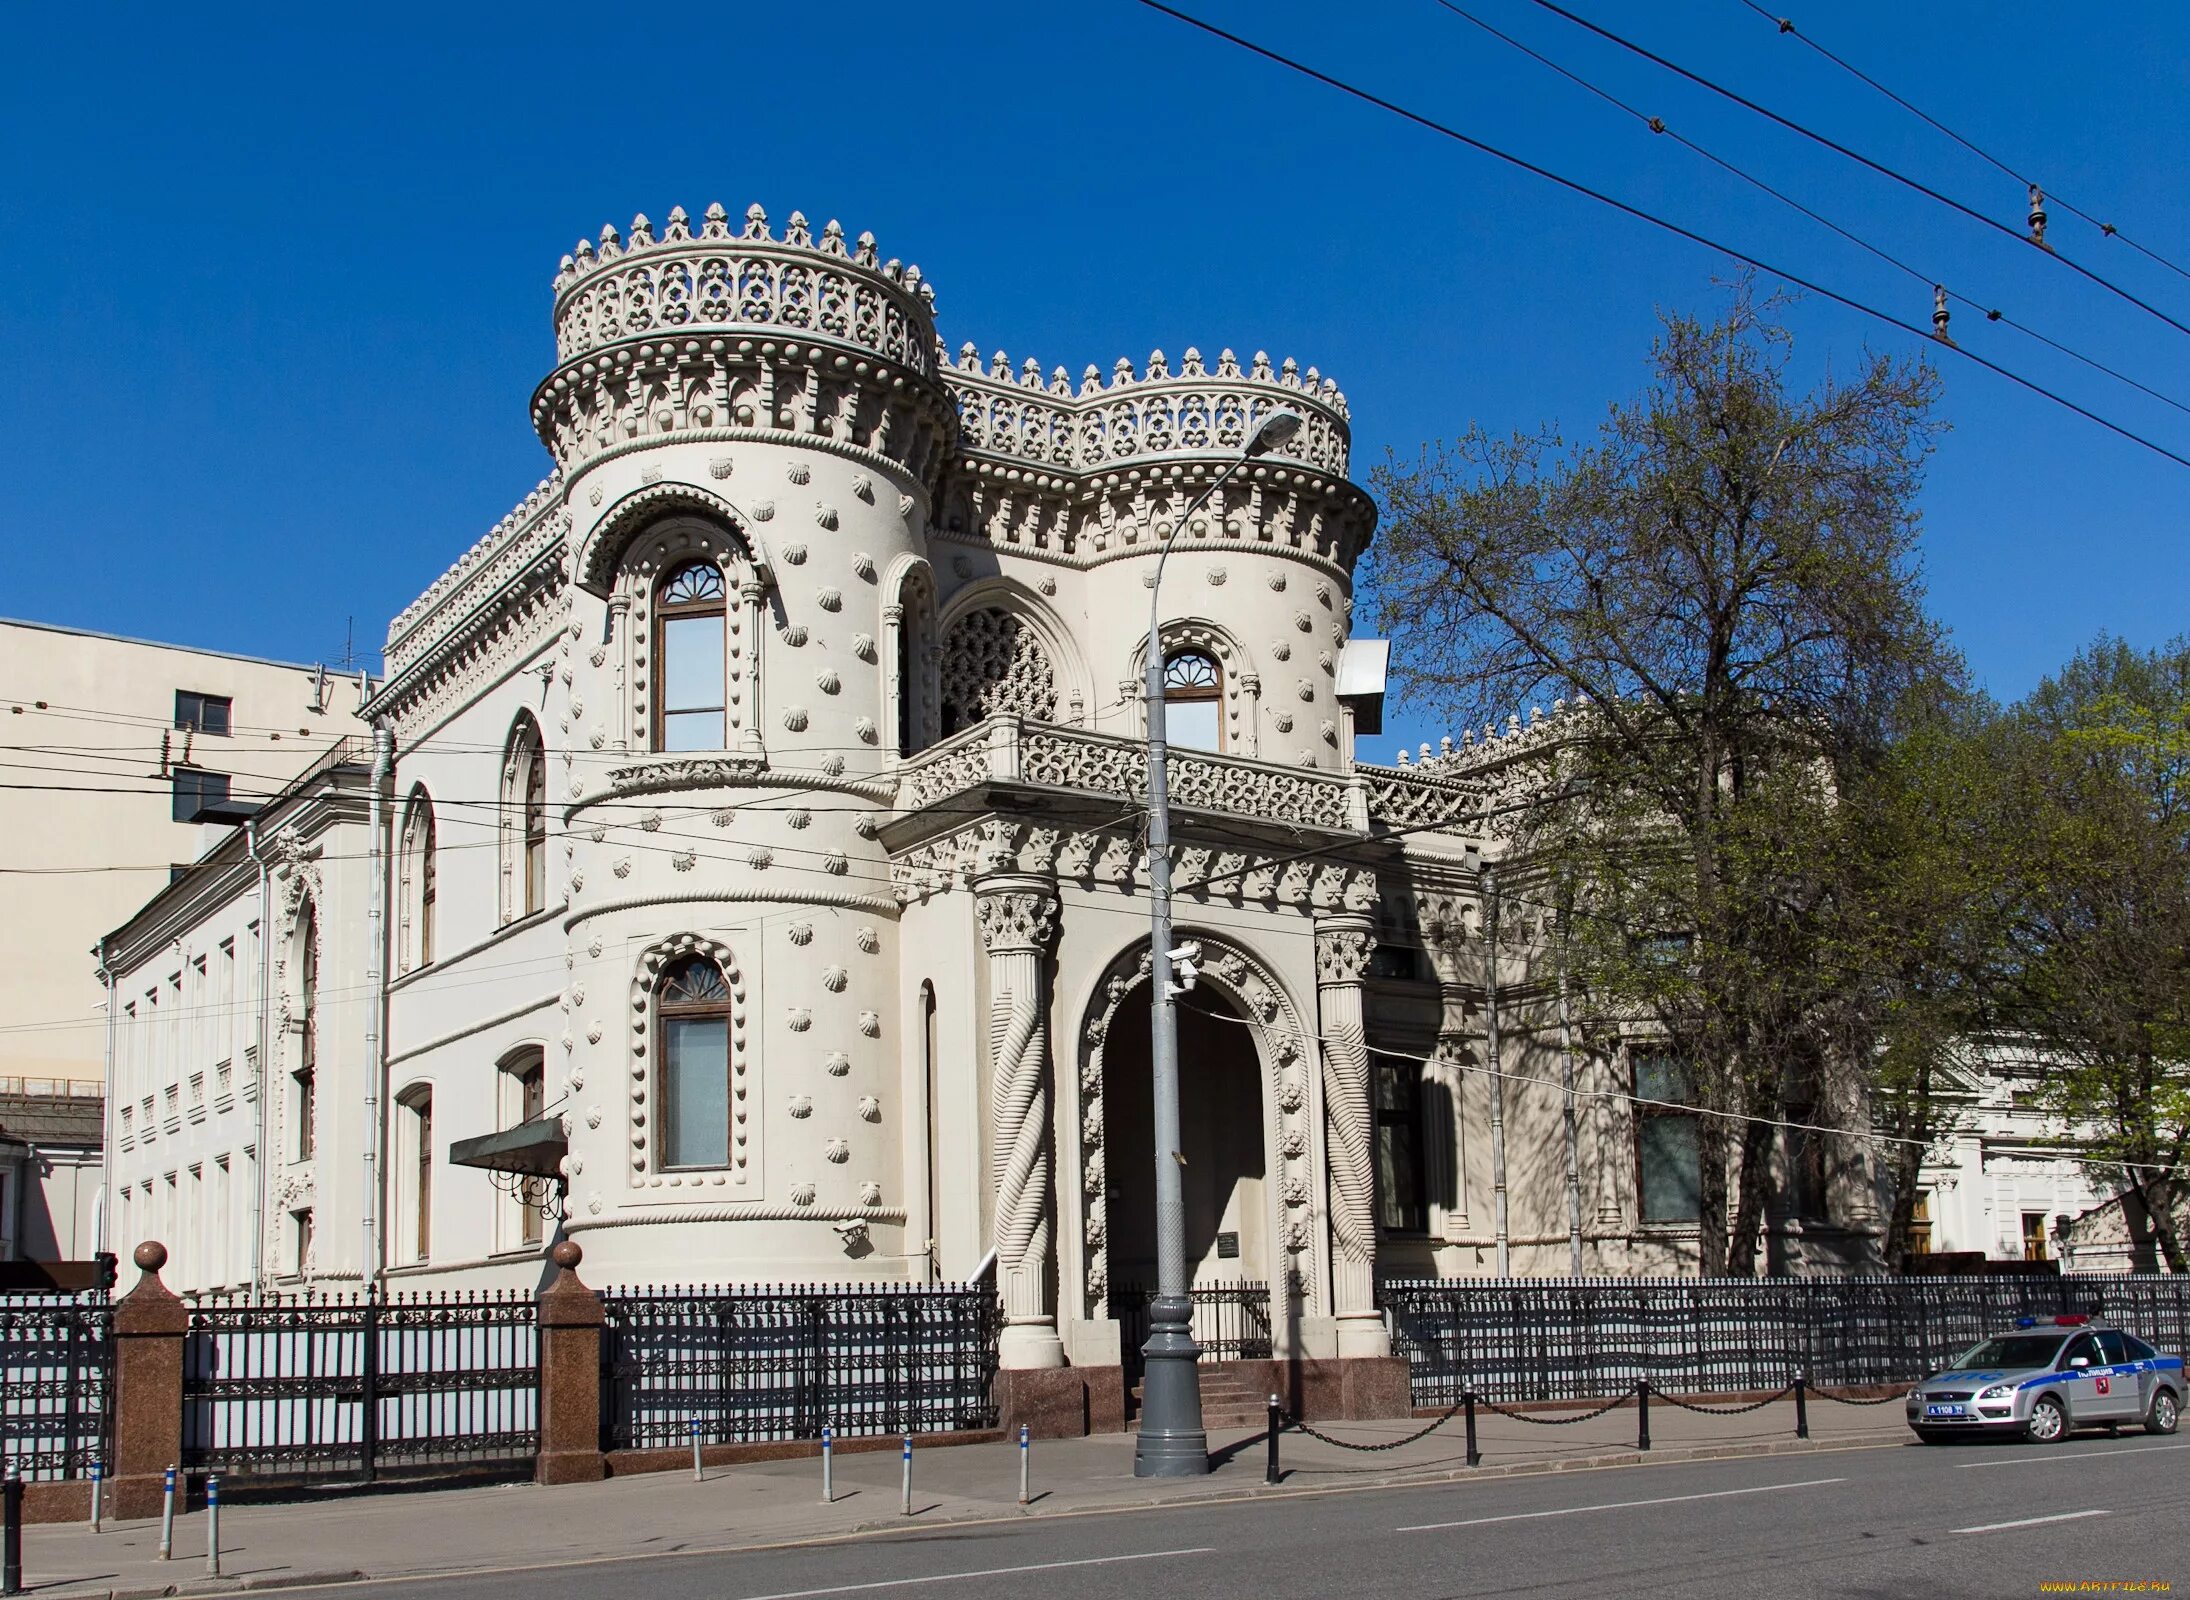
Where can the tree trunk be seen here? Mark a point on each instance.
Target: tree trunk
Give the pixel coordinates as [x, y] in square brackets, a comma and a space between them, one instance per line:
[1754, 1193]
[2158, 1195]
[1711, 1197]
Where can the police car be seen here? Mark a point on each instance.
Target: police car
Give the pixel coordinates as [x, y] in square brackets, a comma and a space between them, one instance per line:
[2046, 1378]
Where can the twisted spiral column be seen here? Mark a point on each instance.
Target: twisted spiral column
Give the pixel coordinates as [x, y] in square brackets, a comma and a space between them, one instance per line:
[1018, 918]
[1343, 944]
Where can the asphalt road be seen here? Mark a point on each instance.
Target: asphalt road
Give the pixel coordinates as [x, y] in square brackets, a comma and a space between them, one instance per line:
[1976, 1520]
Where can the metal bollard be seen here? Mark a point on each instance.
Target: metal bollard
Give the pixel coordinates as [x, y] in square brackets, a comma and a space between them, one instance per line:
[213, 1526]
[905, 1496]
[1642, 1413]
[1270, 1472]
[167, 1515]
[98, 1493]
[828, 1465]
[697, 1475]
[11, 1532]
[1023, 1464]
[1475, 1456]
[1802, 1407]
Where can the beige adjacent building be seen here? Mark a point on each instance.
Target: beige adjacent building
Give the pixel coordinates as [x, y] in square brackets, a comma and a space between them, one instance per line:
[110, 744]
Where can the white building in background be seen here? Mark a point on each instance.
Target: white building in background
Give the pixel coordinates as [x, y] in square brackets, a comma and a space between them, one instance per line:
[754, 855]
[50, 1140]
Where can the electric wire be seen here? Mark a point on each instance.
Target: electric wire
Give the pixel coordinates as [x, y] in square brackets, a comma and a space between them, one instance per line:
[1445, 130]
[1658, 125]
[1785, 25]
[1856, 156]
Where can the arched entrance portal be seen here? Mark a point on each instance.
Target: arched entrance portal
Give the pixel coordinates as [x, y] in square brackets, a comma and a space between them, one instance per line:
[1221, 1125]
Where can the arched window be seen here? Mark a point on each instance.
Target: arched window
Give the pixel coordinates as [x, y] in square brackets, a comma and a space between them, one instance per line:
[1193, 700]
[692, 1006]
[414, 1171]
[420, 885]
[690, 658]
[305, 1076]
[995, 662]
[524, 822]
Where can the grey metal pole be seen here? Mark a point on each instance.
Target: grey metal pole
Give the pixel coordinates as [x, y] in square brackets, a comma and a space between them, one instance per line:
[98, 1494]
[1489, 881]
[1172, 1442]
[828, 1464]
[167, 1515]
[213, 1526]
[1573, 1137]
[697, 1474]
[1023, 1464]
[904, 1504]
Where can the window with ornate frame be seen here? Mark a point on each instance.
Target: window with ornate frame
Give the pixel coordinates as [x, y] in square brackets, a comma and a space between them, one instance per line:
[691, 658]
[420, 884]
[524, 821]
[305, 1077]
[692, 1022]
[1193, 700]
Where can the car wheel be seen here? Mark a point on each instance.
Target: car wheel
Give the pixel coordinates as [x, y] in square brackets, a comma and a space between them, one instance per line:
[2165, 1413]
[2048, 1421]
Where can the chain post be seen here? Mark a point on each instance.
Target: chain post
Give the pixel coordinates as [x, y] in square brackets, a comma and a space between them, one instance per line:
[1475, 1455]
[1270, 1472]
[167, 1514]
[1642, 1413]
[1802, 1408]
[1025, 1465]
[904, 1503]
[213, 1526]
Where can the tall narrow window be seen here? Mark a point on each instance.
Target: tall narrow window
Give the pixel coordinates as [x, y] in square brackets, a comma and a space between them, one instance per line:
[536, 836]
[1193, 701]
[525, 1077]
[1399, 1198]
[421, 869]
[693, 1004]
[306, 1075]
[690, 612]
[524, 822]
[1668, 1152]
[416, 1176]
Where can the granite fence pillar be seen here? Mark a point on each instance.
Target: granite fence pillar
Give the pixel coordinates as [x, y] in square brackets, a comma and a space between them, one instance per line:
[570, 1374]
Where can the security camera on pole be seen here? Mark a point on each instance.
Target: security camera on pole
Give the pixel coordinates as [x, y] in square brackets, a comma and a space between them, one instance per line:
[1172, 1442]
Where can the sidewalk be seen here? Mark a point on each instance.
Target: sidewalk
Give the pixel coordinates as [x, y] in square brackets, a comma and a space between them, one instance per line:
[469, 1530]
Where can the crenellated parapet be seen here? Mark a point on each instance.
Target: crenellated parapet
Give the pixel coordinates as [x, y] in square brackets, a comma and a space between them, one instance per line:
[706, 334]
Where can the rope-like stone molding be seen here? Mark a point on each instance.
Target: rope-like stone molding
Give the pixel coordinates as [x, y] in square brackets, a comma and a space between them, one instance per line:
[1018, 917]
[780, 897]
[647, 1213]
[1342, 958]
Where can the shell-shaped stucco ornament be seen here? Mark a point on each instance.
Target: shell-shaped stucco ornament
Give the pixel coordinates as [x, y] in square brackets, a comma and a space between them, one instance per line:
[595, 1204]
[1281, 650]
[870, 1024]
[868, 940]
[597, 834]
[905, 505]
[802, 1105]
[833, 766]
[794, 555]
[863, 565]
[1048, 585]
[651, 822]
[1277, 583]
[866, 825]
[795, 634]
[1305, 689]
[798, 817]
[622, 868]
[962, 566]
[836, 1063]
[1323, 593]
[594, 1115]
[801, 932]
[799, 1020]
[870, 1194]
[595, 946]
[1217, 576]
[863, 486]
[866, 731]
[760, 859]
[1304, 622]
[763, 510]
[577, 881]
[870, 1109]
[651, 474]
[1148, 580]
[863, 646]
[723, 816]
[836, 863]
[593, 1031]
[829, 599]
[720, 467]
[827, 680]
[799, 472]
[802, 1194]
[593, 495]
[837, 1151]
[1283, 722]
[795, 718]
[684, 860]
[577, 706]
[834, 979]
[825, 516]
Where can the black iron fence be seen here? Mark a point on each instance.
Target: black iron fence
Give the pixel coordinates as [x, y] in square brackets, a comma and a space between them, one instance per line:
[1588, 1338]
[778, 1363]
[1231, 1323]
[358, 1389]
[56, 1383]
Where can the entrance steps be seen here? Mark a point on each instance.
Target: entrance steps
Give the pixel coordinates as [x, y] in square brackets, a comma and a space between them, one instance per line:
[1226, 1402]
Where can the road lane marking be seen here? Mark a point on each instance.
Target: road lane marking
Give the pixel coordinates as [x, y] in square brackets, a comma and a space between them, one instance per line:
[986, 1572]
[1619, 1505]
[2073, 1455]
[2031, 1522]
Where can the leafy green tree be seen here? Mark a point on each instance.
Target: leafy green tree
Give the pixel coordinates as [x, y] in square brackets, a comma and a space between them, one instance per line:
[1726, 573]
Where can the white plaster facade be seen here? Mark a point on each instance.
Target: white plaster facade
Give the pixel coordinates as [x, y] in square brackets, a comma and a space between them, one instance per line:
[878, 852]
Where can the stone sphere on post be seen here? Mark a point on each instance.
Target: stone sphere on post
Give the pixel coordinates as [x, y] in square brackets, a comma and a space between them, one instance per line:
[567, 1255]
[150, 1256]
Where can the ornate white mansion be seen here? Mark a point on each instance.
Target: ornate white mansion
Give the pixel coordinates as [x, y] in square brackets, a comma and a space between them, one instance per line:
[751, 850]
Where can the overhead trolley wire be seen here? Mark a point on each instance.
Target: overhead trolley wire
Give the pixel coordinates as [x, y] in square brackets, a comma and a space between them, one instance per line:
[1658, 125]
[1447, 131]
[1786, 26]
[1858, 157]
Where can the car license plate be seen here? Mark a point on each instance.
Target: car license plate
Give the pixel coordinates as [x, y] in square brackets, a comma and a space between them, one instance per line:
[1946, 1411]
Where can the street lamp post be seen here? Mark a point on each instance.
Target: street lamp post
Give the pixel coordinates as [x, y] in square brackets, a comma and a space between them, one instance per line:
[1172, 1443]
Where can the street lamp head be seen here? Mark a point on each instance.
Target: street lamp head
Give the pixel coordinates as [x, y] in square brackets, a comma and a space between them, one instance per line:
[1278, 428]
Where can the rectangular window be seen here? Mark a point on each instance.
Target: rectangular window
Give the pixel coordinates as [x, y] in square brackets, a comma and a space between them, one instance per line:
[196, 790]
[202, 713]
[692, 683]
[697, 1088]
[307, 1082]
[1920, 1224]
[2034, 1236]
[1398, 1089]
[1668, 1151]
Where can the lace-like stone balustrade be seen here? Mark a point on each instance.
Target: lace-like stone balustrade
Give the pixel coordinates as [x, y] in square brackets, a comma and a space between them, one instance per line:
[1007, 750]
[1139, 415]
[1403, 799]
[644, 287]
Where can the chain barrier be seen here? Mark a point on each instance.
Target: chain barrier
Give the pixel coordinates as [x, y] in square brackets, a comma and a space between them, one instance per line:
[1388, 1444]
[1725, 1411]
[1612, 1404]
[1850, 1400]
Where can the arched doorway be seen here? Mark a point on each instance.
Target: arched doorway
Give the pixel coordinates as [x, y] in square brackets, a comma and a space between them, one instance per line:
[1221, 1127]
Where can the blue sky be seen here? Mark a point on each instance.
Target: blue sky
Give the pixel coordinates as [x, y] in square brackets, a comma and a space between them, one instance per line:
[278, 285]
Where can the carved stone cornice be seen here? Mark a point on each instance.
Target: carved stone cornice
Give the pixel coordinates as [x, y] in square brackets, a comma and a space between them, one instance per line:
[1342, 949]
[1016, 913]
